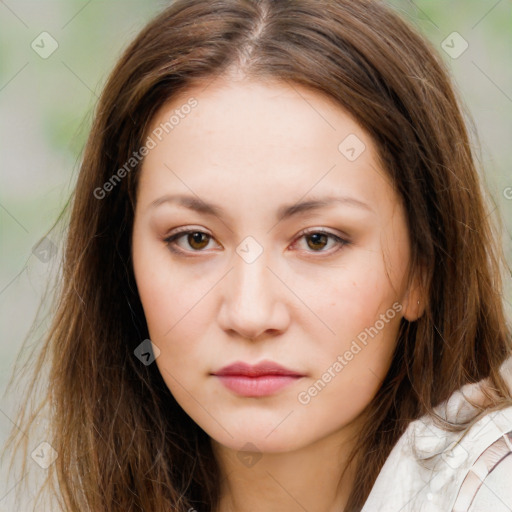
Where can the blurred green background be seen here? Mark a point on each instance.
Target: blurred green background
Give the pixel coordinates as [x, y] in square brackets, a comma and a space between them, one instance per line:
[46, 104]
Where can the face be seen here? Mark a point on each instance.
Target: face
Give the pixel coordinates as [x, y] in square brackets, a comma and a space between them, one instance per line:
[289, 245]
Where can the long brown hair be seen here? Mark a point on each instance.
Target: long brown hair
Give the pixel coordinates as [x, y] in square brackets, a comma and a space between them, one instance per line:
[123, 442]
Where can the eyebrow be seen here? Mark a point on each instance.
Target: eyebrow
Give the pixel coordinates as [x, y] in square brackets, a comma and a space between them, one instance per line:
[283, 212]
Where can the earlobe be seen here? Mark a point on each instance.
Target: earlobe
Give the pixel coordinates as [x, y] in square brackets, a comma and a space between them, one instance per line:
[412, 314]
[414, 301]
[413, 310]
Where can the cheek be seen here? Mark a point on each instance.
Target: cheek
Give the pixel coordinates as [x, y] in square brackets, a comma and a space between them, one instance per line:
[175, 313]
[156, 295]
[178, 312]
[349, 367]
[356, 295]
[176, 317]
[168, 293]
[362, 309]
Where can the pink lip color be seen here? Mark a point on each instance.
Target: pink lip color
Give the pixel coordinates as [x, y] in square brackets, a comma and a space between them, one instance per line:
[256, 386]
[262, 379]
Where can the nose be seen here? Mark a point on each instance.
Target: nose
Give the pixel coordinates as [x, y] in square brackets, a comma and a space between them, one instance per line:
[253, 301]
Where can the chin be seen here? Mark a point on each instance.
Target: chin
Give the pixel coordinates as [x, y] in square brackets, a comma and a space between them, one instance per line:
[251, 440]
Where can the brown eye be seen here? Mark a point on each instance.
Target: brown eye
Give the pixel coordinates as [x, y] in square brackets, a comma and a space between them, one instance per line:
[197, 240]
[317, 240]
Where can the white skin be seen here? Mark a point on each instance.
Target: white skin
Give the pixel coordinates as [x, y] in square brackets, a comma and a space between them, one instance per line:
[251, 147]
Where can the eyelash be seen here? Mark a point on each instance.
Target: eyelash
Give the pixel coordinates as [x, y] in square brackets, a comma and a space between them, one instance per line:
[341, 242]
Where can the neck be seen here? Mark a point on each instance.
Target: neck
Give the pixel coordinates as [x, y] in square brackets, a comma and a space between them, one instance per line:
[313, 477]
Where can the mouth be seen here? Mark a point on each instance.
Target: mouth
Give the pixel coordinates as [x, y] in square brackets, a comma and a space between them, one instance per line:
[262, 379]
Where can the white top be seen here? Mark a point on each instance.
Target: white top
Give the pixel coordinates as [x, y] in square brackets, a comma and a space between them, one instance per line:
[426, 468]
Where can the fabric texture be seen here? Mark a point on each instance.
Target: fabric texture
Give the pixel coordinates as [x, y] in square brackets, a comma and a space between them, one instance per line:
[428, 466]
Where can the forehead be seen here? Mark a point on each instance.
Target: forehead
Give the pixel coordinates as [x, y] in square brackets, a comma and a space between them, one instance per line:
[257, 114]
[261, 140]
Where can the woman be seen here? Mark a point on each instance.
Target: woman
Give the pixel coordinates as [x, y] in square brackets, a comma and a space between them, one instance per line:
[204, 357]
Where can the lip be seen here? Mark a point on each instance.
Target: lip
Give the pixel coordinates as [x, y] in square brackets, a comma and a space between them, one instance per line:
[257, 370]
[262, 379]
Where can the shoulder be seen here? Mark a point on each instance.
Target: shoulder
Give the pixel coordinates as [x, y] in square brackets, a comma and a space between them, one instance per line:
[487, 485]
[495, 493]
[426, 469]
[468, 471]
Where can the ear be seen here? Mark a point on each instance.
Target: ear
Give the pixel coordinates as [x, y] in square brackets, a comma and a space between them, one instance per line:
[415, 298]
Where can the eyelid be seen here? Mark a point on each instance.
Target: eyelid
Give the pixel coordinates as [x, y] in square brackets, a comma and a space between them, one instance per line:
[342, 239]
[177, 233]
[340, 235]
[185, 229]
